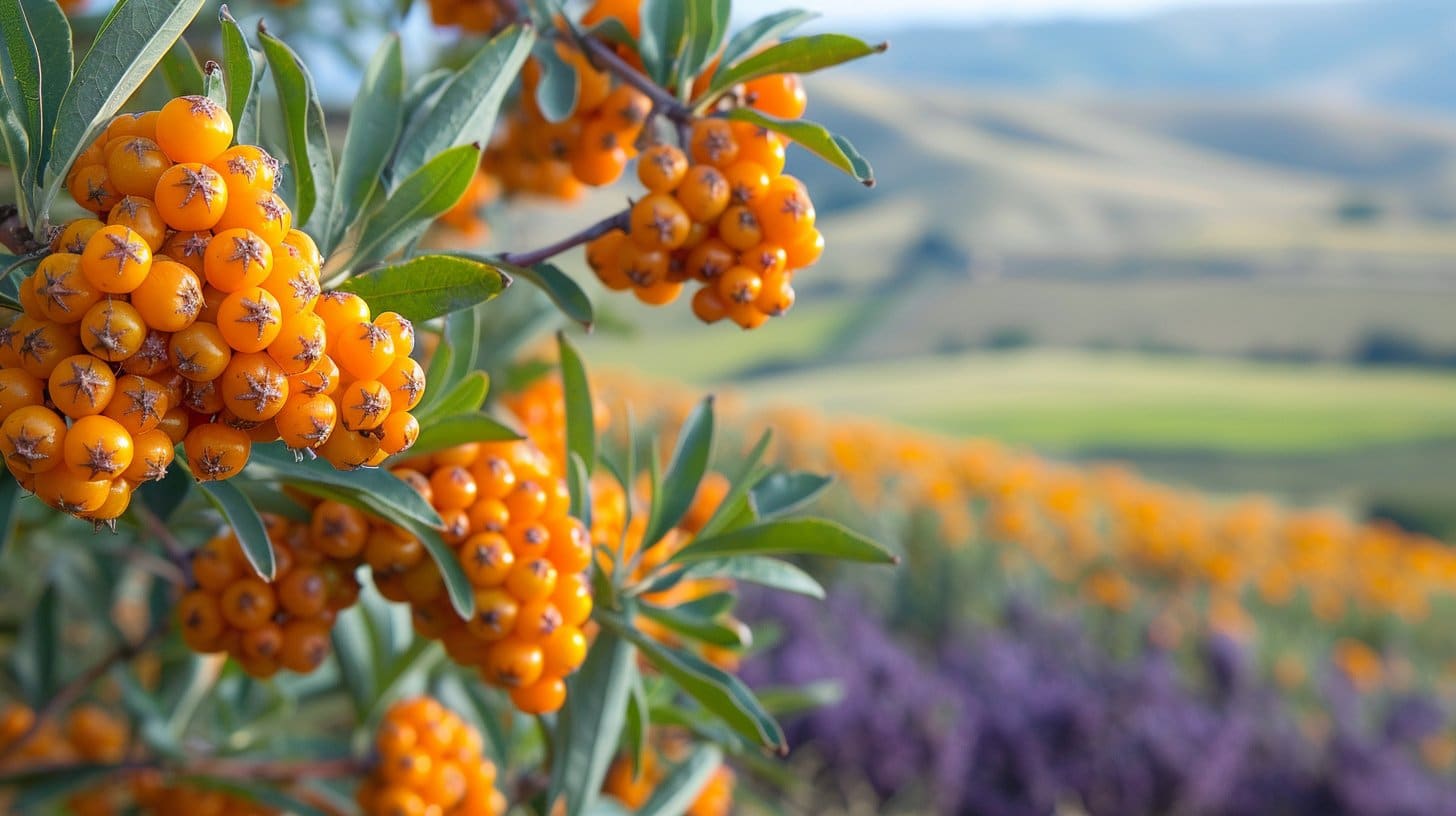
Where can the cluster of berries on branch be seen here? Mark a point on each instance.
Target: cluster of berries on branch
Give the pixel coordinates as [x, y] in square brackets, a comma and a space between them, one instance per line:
[430, 762]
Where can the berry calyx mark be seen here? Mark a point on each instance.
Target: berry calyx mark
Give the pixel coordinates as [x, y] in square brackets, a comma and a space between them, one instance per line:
[305, 288]
[153, 351]
[317, 436]
[103, 337]
[130, 206]
[794, 207]
[259, 314]
[189, 300]
[374, 334]
[662, 225]
[156, 470]
[193, 245]
[211, 465]
[137, 148]
[247, 249]
[84, 382]
[122, 249]
[261, 392]
[202, 106]
[96, 193]
[197, 184]
[99, 460]
[187, 363]
[413, 384]
[309, 352]
[239, 166]
[143, 401]
[198, 395]
[26, 446]
[55, 291]
[35, 344]
[371, 405]
[273, 210]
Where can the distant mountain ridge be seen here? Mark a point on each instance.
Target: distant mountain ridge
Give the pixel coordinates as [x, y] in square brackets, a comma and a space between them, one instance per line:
[1381, 52]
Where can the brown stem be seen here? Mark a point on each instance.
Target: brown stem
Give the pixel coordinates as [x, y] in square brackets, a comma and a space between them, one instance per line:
[532, 257]
[277, 770]
[14, 234]
[605, 56]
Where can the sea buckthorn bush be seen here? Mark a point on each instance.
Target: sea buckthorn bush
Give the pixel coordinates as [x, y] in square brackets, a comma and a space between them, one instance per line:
[314, 535]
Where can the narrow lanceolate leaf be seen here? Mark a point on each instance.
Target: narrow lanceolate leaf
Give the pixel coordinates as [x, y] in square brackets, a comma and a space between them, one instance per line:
[697, 627]
[740, 483]
[132, 40]
[763, 30]
[453, 361]
[309, 159]
[664, 33]
[464, 109]
[707, 25]
[559, 85]
[379, 483]
[52, 32]
[416, 203]
[675, 794]
[753, 569]
[374, 125]
[460, 429]
[781, 493]
[181, 71]
[581, 429]
[718, 691]
[354, 650]
[20, 71]
[37, 655]
[816, 139]
[240, 514]
[464, 397]
[588, 728]
[790, 537]
[579, 483]
[428, 286]
[801, 55]
[684, 473]
[237, 66]
[9, 503]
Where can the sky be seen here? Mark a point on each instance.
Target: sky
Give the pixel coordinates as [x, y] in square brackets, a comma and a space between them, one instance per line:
[918, 11]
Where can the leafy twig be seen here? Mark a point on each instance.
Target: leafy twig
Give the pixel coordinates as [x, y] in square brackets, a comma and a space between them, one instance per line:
[617, 221]
[664, 102]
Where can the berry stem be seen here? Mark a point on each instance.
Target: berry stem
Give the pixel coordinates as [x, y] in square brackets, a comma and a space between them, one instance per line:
[664, 102]
[617, 221]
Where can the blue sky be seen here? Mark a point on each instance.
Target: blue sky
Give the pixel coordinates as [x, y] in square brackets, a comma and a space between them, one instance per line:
[892, 12]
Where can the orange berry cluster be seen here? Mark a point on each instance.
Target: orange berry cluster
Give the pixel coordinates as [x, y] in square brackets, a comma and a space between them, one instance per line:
[430, 763]
[282, 624]
[731, 220]
[465, 219]
[188, 310]
[714, 799]
[470, 16]
[505, 508]
[157, 797]
[592, 146]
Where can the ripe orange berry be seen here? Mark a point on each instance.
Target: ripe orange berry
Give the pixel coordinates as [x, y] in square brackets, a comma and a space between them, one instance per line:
[31, 439]
[487, 559]
[113, 330]
[340, 310]
[305, 646]
[98, 447]
[134, 164]
[712, 142]
[199, 352]
[216, 451]
[363, 405]
[294, 281]
[513, 663]
[338, 530]
[237, 259]
[248, 603]
[91, 187]
[747, 181]
[659, 293]
[624, 112]
[348, 450]
[704, 192]
[138, 404]
[543, 696]
[74, 236]
[739, 228]
[42, 345]
[642, 267]
[260, 211]
[142, 123]
[400, 430]
[201, 620]
[760, 146]
[565, 650]
[249, 319]
[303, 592]
[191, 197]
[175, 424]
[254, 388]
[599, 162]
[205, 398]
[300, 343]
[661, 168]
[301, 241]
[777, 296]
[187, 248]
[81, 386]
[785, 213]
[18, 390]
[142, 217]
[572, 597]
[400, 330]
[116, 259]
[740, 285]
[708, 305]
[322, 379]
[118, 499]
[405, 380]
[537, 620]
[746, 315]
[363, 349]
[193, 129]
[170, 298]
[804, 251]
[391, 551]
[152, 453]
[532, 580]
[710, 259]
[306, 421]
[71, 492]
[246, 167]
[780, 95]
[63, 292]
[658, 221]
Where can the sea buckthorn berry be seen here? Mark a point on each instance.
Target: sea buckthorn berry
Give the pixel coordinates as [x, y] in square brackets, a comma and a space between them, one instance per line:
[205, 398]
[75, 235]
[642, 267]
[532, 580]
[740, 285]
[71, 492]
[42, 346]
[30, 301]
[254, 388]
[260, 211]
[199, 352]
[152, 358]
[142, 123]
[805, 250]
[625, 110]
[488, 514]
[747, 181]
[322, 380]
[134, 164]
[249, 319]
[708, 305]
[739, 228]
[565, 650]
[495, 614]
[142, 217]
[175, 424]
[212, 298]
[785, 213]
[246, 167]
[405, 380]
[777, 296]
[81, 386]
[170, 299]
[237, 259]
[303, 592]
[193, 129]
[347, 449]
[306, 421]
[294, 281]
[746, 315]
[363, 405]
[760, 146]
[98, 447]
[116, 259]
[766, 259]
[400, 330]
[712, 143]
[188, 248]
[598, 159]
[152, 454]
[391, 551]
[118, 499]
[513, 663]
[31, 439]
[201, 622]
[191, 197]
[299, 346]
[338, 530]
[216, 451]
[710, 259]
[454, 488]
[341, 310]
[661, 168]
[780, 95]
[138, 404]
[493, 475]
[363, 349]
[218, 563]
[248, 603]
[63, 292]
[537, 620]
[18, 390]
[91, 187]
[543, 696]
[487, 559]
[569, 545]
[301, 241]
[462, 455]
[704, 192]
[305, 646]
[113, 330]
[400, 430]
[263, 643]
[659, 293]
[526, 502]
[658, 221]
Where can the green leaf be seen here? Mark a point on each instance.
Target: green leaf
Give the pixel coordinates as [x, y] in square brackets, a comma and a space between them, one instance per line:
[763, 30]
[237, 67]
[465, 397]
[708, 606]
[165, 496]
[718, 691]
[739, 485]
[610, 30]
[801, 55]
[696, 627]
[375, 121]
[132, 40]
[428, 286]
[426, 195]
[707, 25]
[464, 110]
[664, 35]
[579, 482]
[242, 517]
[378, 484]
[454, 359]
[790, 537]
[780, 493]
[591, 723]
[20, 73]
[308, 155]
[37, 655]
[675, 794]
[816, 139]
[684, 473]
[181, 70]
[581, 429]
[9, 504]
[557, 90]
[459, 429]
[52, 32]
[354, 650]
[639, 723]
[753, 569]
[563, 291]
[782, 700]
[213, 84]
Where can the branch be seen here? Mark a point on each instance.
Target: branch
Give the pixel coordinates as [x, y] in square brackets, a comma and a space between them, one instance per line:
[277, 770]
[14, 234]
[619, 221]
[665, 103]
